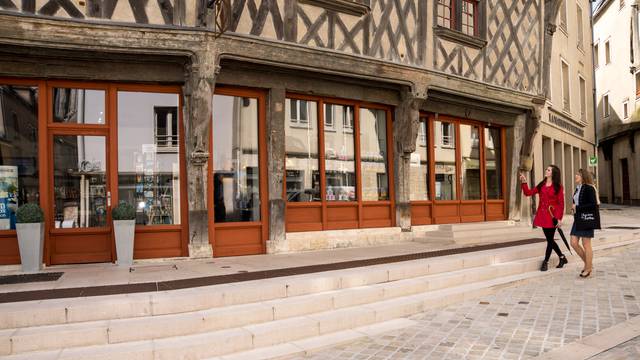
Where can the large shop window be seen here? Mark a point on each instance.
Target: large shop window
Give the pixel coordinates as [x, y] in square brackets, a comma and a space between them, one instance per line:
[79, 181]
[18, 150]
[470, 164]
[337, 177]
[419, 168]
[236, 178]
[493, 161]
[339, 155]
[445, 161]
[301, 152]
[148, 156]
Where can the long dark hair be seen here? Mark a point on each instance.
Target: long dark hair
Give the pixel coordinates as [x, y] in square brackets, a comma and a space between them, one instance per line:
[556, 179]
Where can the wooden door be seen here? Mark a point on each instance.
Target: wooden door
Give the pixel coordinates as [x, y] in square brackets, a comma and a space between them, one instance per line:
[79, 191]
[238, 214]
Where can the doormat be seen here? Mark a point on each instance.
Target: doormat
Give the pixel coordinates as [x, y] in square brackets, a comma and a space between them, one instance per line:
[624, 227]
[28, 278]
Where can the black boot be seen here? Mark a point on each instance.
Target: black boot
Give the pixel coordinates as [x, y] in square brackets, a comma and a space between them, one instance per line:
[563, 261]
[545, 266]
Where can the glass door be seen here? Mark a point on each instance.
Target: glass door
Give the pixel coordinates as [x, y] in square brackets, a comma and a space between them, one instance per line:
[80, 196]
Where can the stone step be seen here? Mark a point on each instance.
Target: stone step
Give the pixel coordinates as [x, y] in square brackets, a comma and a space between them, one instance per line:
[478, 225]
[323, 313]
[69, 311]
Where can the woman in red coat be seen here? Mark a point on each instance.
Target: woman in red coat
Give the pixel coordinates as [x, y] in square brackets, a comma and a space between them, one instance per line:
[551, 201]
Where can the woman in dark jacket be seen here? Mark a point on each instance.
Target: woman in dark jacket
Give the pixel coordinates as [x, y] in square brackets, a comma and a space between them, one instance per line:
[551, 201]
[586, 219]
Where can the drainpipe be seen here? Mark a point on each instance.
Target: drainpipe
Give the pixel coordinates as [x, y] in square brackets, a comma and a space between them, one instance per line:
[595, 106]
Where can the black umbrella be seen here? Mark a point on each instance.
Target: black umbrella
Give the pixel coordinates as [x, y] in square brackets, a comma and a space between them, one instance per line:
[555, 223]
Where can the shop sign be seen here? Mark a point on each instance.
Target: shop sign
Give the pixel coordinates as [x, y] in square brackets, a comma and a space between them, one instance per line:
[593, 160]
[564, 124]
[8, 196]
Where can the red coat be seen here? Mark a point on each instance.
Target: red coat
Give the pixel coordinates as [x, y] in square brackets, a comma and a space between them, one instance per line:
[548, 197]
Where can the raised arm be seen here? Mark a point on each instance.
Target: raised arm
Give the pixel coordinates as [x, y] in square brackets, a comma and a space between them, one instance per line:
[527, 191]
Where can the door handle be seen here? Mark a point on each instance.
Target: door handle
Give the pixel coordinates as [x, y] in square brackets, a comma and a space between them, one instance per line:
[108, 198]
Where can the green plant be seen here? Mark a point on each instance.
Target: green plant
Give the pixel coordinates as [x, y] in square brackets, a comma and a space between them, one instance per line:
[123, 211]
[29, 213]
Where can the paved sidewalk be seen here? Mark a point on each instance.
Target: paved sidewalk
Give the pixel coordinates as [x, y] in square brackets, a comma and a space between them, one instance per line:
[518, 322]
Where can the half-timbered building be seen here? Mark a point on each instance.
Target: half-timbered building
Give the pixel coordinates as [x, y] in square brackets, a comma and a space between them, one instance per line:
[252, 126]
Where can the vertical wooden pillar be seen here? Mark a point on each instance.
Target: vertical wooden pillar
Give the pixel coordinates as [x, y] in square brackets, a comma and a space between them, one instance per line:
[405, 130]
[277, 242]
[198, 93]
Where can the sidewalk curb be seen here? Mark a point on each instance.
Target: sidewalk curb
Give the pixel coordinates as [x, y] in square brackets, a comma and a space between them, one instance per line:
[598, 343]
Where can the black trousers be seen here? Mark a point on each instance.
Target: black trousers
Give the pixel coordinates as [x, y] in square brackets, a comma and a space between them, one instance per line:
[551, 244]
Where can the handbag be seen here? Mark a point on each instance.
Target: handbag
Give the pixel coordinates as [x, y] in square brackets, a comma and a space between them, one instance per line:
[588, 219]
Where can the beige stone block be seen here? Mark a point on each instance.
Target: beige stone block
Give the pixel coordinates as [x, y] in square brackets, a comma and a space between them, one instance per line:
[31, 313]
[385, 327]
[282, 331]
[270, 352]
[236, 316]
[300, 305]
[202, 345]
[41, 355]
[446, 264]
[317, 344]
[179, 301]
[481, 274]
[139, 350]
[59, 336]
[344, 319]
[396, 308]
[109, 307]
[5, 341]
[479, 259]
[362, 277]
[405, 287]
[407, 270]
[357, 296]
[254, 291]
[155, 327]
[310, 284]
[447, 280]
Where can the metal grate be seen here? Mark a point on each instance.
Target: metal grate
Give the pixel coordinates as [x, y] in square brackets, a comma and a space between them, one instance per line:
[29, 278]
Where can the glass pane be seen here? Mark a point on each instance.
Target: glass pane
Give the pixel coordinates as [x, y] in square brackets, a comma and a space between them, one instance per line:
[236, 182]
[419, 169]
[79, 181]
[18, 151]
[493, 159]
[373, 154]
[78, 106]
[470, 165]
[339, 155]
[445, 160]
[301, 154]
[148, 156]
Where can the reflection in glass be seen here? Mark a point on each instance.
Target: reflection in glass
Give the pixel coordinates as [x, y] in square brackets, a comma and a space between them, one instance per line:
[445, 160]
[79, 181]
[493, 160]
[301, 151]
[373, 154]
[148, 156]
[470, 165]
[419, 169]
[78, 106]
[18, 151]
[236, 182]
[339, 154]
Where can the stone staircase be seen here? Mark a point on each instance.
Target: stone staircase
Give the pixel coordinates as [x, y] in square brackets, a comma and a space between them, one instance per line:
[267, 318]
[474, 233]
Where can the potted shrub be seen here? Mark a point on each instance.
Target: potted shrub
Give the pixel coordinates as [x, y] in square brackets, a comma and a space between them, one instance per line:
[124, 226]
[29, 219]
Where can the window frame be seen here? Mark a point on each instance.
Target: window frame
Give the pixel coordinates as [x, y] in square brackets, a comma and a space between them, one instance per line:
[607, 52]
[606, 110]
[456, 14]
[566, 100]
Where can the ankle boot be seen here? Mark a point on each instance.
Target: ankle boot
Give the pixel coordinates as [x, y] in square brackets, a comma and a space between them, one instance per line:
[545, 266]
[563, 261]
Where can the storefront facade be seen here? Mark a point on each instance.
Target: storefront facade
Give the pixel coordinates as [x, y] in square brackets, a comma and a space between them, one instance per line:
[239, 144]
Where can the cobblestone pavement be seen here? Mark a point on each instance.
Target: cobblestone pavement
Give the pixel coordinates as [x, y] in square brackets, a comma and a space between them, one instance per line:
[517, 322]
[627, 350]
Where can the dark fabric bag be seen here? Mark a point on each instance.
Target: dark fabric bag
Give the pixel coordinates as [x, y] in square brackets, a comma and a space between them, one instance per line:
[588, 219]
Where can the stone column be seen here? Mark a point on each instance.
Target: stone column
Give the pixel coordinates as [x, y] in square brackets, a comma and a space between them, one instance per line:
[405, 131]
[277, 242]
[198, 94]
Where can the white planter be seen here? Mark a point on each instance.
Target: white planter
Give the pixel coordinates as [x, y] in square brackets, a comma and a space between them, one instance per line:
[31, 243]
[124, 231]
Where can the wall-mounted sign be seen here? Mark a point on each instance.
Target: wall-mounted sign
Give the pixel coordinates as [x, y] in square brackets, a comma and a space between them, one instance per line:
[564, 124]
[593, 160]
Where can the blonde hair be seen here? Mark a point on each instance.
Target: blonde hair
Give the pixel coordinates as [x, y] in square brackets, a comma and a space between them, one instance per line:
[586, 177]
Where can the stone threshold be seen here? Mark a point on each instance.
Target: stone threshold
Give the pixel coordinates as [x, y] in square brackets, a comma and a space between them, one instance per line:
[60, 293]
